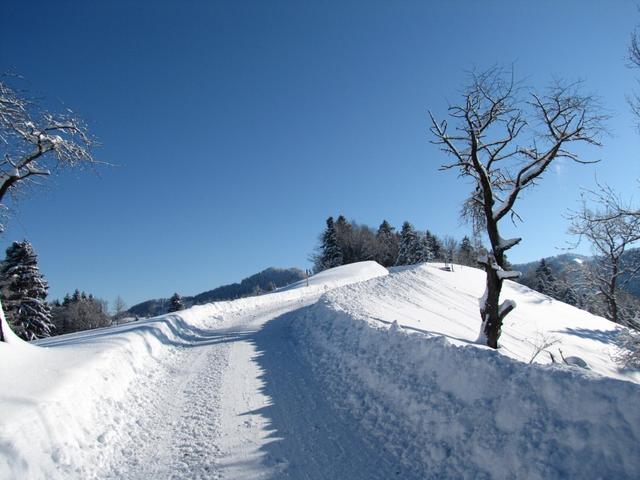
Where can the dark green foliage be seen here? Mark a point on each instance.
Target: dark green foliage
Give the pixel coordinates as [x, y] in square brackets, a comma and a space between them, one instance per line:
[434, 246]
[545, 281]
[569, 296]
[467, 254]
[24, 292]
[332, 255]
[79, 312]
[411, 247]
[175, 303]
[359, 243]
[388, 243]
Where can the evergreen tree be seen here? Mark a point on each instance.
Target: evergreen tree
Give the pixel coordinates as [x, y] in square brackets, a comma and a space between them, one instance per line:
[345, 240]
[25, 291]
[331, 252]
[410, 250]
[387, 245]
[426, 254]
[466, 253]
[569, 296]
[175, 303]
[545, 281]
[81, 313]
[434, 246]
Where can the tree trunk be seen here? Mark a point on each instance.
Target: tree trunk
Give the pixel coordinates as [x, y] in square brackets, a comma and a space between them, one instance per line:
[492, 324]
[491, 311]
[613, 303]
[2, 339]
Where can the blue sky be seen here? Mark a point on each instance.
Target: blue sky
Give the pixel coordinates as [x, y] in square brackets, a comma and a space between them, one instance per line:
[238, 127]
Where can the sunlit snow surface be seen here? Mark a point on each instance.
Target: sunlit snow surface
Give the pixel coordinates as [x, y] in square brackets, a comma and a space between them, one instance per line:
[319, 382]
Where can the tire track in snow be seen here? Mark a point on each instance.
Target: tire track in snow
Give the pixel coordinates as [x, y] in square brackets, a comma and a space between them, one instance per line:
[242, 403]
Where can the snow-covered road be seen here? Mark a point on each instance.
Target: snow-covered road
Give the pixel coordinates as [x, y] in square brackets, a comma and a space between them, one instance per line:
[238, 403]
[360, 374]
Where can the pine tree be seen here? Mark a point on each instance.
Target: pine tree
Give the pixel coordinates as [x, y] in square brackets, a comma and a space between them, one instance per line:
[545, 281]
[410, 250]
[425, 253]
[175, 303]
[388, 244]
[569, 296]
[466, 253]
[79, 312]
[26, 292]
[331, 252]
[434, 245]
[345, 240]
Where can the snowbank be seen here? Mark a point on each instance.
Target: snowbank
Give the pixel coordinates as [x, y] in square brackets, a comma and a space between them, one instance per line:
[397, 352]
[67, 407]
[343, 275]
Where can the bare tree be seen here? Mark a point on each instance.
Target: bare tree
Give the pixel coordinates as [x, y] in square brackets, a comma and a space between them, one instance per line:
[119, 307]
[34, 142]
[633, 56]
[504, 138]
[609, 233]
[450, 247]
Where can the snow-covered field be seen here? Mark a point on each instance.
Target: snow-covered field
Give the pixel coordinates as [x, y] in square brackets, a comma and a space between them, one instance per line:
[360, 374]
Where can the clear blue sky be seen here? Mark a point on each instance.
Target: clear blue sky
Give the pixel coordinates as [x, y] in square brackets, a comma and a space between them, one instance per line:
[238, 127]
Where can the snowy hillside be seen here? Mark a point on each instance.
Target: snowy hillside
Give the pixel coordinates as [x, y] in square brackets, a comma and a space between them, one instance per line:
[448, 408]
[362, 374]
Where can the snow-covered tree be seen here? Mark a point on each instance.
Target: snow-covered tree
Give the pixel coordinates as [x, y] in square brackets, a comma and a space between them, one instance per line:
[545, 280]
[331, 255]
[504, 139]
[410, 250]
[424, 254]
[34, 142]
[175, 303]
[433, 246]
[466, 253]
[387, 245]
[79, 312]
[629, 353]
[26, 289]
[568, 295]
[610, 233]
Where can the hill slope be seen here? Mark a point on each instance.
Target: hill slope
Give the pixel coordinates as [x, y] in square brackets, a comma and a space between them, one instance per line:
[261, 281]
[360, 375]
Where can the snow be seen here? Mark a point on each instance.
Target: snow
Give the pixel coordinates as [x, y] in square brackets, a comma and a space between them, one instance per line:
[338, 276]
[364, 374]
[508, 274]
[76, 408]
[448, 408]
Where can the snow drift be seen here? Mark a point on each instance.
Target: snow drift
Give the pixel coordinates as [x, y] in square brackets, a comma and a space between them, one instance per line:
[68, 408]
[398, 353]
[394, 351]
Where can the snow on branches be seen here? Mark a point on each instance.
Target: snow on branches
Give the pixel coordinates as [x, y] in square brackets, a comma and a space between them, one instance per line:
[505, 137]
[34, 141]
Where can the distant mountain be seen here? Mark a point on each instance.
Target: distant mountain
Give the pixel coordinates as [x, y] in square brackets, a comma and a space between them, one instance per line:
[567, 266]
[264, 281]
